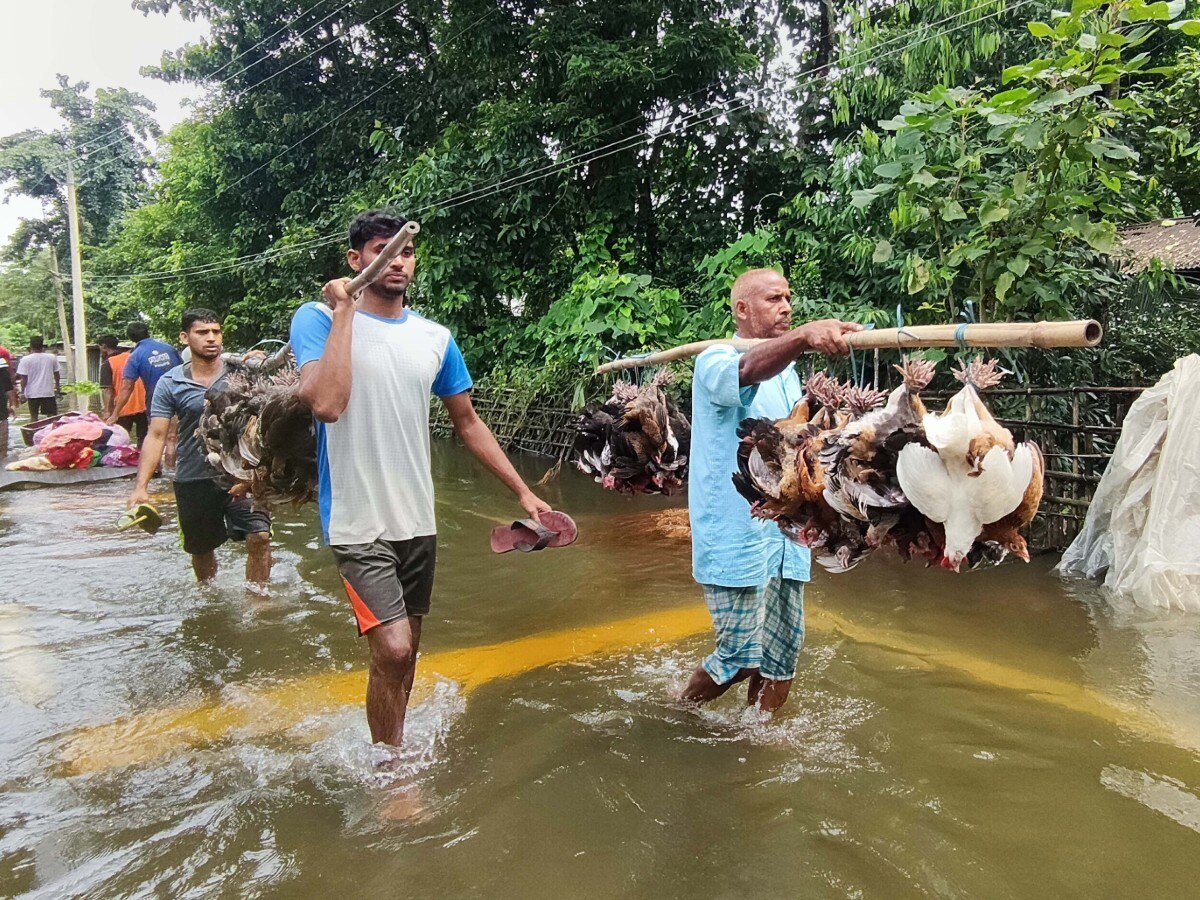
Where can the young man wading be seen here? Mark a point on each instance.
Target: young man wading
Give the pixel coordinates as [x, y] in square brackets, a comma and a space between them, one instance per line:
[367, 373]
[753, 576]
[208, 514]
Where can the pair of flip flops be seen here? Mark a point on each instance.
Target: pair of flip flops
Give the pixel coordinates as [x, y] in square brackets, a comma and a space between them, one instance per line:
[556, 529]
[143, 516]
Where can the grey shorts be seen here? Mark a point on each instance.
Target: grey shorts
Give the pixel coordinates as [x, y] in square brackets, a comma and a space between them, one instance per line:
[387, 580]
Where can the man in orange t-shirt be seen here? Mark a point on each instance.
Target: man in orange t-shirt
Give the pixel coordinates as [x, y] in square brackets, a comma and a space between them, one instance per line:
[133, 413]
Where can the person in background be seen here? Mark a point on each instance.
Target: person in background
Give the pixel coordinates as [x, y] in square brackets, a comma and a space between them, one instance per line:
[106, 375]
[208, 514]
[149, 360]
[8, 403]
[40, 378]
[133, 414]
[6, 355]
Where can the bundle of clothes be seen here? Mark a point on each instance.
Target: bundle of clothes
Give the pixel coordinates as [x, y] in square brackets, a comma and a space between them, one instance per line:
[77, 441]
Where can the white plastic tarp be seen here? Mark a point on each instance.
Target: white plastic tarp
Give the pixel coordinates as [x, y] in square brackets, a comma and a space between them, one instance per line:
[1142, 531]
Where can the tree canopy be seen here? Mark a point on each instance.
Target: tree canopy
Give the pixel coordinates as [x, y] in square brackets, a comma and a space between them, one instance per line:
[590, 176]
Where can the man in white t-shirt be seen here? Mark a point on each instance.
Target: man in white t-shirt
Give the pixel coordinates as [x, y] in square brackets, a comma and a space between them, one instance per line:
[367, 373]
[40, 377]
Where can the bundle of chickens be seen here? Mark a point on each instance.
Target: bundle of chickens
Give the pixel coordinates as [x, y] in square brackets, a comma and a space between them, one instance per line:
[258, 435]
[852, 469]
[637, 442]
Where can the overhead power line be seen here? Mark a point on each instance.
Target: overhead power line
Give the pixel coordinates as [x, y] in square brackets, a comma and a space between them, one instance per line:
[642, 138]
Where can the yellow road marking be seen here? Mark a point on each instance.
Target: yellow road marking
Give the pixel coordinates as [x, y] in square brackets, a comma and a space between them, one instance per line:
[147, 736]
[144, 737]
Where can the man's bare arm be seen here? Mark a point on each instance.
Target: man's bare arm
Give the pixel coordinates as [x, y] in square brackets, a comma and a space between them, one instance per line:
[119, 403]
[769, 358]
[483, 444]
[325, 382]
[152, 451]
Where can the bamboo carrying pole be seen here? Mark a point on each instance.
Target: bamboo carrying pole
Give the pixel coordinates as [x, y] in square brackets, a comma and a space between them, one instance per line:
[1076, 333]
[370, 274]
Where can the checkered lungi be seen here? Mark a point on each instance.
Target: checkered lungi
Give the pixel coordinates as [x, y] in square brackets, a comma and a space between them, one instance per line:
[757, 628]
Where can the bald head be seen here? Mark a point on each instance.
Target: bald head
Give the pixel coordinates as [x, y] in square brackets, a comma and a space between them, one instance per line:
[761, 302]
[751, 280]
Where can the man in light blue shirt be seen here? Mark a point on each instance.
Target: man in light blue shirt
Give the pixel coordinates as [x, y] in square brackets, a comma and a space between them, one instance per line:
[752, 575]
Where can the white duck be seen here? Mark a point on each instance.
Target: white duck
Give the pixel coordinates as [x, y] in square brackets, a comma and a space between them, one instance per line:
[974, 475]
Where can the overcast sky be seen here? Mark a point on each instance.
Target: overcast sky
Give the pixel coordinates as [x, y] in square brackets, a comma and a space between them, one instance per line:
[103, 42]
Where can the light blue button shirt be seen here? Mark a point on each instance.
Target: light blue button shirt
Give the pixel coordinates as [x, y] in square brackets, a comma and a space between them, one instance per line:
[729, 548]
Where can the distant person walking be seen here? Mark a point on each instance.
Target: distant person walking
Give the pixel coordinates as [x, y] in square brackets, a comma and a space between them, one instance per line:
[208, 514]
[147, 362]
[8, 403]
[40, 378]
[132, 415]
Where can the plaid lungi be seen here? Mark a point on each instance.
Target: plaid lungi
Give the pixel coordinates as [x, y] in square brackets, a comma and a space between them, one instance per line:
[757, 628]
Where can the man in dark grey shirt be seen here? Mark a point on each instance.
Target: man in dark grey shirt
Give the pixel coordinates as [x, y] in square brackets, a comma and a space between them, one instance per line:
[208, 514]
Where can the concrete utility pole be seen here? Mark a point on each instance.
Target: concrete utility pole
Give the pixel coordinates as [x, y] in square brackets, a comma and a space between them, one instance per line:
[56, 276]
[81, 366]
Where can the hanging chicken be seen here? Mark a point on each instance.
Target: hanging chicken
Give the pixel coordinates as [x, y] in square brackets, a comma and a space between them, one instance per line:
[637, 442]
[844, 474]
[259, 436]
[972, 474]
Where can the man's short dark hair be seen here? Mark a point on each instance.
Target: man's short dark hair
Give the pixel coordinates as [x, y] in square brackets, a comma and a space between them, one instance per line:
[137, 331]
[108, 340]
[375, 223]
[37, 343]
[198, 314]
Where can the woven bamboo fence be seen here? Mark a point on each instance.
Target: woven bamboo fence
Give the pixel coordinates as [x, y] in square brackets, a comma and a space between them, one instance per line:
[1076, 427]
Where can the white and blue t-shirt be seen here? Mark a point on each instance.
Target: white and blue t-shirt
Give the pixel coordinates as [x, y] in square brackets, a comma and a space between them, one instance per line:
[373, 462]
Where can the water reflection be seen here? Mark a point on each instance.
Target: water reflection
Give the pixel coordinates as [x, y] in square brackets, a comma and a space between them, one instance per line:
[908, 763]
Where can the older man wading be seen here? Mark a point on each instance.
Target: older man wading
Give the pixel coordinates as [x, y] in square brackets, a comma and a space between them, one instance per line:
[752, 575]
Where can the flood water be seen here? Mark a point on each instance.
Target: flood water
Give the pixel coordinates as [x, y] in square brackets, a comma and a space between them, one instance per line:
[995, 734]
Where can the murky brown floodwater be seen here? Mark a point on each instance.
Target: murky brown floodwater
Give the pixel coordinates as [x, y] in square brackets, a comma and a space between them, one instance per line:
[996, 734]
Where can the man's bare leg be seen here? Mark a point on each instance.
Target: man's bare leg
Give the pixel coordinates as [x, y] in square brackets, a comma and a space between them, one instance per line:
[773, 694]
[414, 625]
[754, 688]
[701, 687]
[258, 558]
[205, 566]
[393, 661]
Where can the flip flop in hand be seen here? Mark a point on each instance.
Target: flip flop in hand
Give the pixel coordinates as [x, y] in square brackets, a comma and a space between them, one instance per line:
[556, 529]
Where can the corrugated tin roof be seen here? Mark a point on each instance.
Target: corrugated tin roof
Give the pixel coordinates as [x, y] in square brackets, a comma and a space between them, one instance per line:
[1174, 241]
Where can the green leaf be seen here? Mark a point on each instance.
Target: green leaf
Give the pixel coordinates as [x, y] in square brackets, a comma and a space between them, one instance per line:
[1112, 182]
[1018, 265]
[1087, 41]
[991, 212]
[1190, 27]
[889, 170]
[918, 275]
[1003, 283]
[883, 252]
[952, 211]
[1020, 184]
[863, 198]
[924, 177]
[1041, 29]
[1100, 236]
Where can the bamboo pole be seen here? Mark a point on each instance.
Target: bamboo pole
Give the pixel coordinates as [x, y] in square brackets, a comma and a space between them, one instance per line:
[1077, 333]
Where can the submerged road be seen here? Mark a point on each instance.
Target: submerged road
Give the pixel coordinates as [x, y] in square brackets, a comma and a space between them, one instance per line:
[280, 707]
